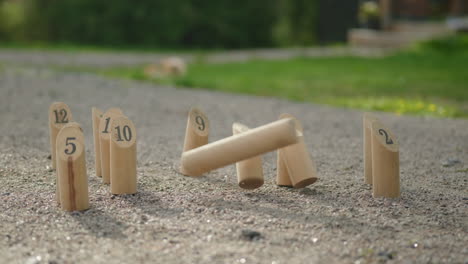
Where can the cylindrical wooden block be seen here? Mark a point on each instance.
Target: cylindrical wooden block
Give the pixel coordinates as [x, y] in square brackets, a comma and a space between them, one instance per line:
[71, 169]
[104, 140]
[385, 162]
[239, 147]
[96, 115]
[59, 115]
[57, 185]
[282, 175]
[301, 168]
[249, 171]
[197, 131]
[123, 160]
[368, 119]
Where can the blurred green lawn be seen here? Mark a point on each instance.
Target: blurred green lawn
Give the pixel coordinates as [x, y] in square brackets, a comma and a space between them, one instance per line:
[428, 79]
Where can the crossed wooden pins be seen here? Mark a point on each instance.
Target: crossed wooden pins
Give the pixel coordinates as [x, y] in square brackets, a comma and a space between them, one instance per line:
[295, 167]
[115, 153]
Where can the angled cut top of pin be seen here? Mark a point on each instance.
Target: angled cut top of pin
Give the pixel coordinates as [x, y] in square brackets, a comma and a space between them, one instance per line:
[369, 119]
[199, 121]
[384, 136]
[59, 114]
[105, 124]
[73, 124]
[297, 123]
[115, 110]
[123, 132]
[70, 143]
[96, 112]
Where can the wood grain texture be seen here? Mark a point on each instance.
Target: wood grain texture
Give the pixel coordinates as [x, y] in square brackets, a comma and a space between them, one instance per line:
[57, 119]
[367, 121]
[104, 140]
[96, 116]
[196, 133]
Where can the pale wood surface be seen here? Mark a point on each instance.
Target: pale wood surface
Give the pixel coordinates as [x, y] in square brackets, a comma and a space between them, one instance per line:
[282, 175]
[123, 159]
[196, 132]
[96, 116]
[59, 115]
[385, 162]
[367, 121]
[249, 171]
[239, 147]
[71, 169]
[104, 139]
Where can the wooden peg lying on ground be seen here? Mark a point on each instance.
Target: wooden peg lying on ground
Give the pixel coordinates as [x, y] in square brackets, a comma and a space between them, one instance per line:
[385, 162]
[249, 171]
[123, 160]
[368, 119]
[59, 115]
[104, 139]
[96, 115]
[239, 147]
[71, 169]
[295, 161]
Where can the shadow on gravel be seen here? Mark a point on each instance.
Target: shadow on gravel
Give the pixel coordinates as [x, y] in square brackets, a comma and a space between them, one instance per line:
[100, 224]
[150, 204]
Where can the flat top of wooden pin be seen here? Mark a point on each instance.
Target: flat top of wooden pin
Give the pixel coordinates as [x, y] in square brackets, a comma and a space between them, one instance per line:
[73, 124]
[123, 132]
[297, 123]
[105, 124]
[384, 136]
[70, 142]
[199, 121]
[59, 114]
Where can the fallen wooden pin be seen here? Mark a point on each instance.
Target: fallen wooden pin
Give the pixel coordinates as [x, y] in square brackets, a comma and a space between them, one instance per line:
[71, 169]
[239, 147]
[123, 159]
[59, 115]
[295, 166]
[385, 162]
[197, 131]
[104, 140]
[249, 171]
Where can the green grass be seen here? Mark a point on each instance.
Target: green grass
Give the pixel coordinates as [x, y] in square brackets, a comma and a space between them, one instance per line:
[431, 78]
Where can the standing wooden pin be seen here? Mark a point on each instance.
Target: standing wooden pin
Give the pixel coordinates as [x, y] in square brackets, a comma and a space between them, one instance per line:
[123, 160]
[71, 169]
[104, 139]
[249, 171]
[96, 115]
[296, 158]
[385, 162]
[367, 121]
[57, 185]
[59, 115]
[282, 175]
[239, 147]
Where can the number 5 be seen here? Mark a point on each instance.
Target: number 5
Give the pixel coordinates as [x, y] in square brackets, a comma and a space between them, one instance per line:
[73, 146]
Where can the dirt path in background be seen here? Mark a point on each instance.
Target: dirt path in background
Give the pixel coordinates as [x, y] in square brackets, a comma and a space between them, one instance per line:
[177, 219]
[113, 59]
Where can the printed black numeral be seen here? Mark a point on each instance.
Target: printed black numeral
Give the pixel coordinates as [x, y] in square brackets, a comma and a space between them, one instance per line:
[200, 122]
[61, 116]
[73, 146]
[126, 131]
[107, 125]
[388, 140]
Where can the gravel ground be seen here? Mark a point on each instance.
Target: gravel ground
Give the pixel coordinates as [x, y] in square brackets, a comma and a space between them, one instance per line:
[178, 219]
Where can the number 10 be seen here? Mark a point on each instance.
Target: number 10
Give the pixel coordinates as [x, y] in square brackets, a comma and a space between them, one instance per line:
[127, 133]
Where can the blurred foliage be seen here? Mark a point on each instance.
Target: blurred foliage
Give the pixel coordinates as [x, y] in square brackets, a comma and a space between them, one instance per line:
[161, 23]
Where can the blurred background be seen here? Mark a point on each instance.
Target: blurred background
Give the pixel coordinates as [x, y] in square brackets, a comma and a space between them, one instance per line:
[404, 56]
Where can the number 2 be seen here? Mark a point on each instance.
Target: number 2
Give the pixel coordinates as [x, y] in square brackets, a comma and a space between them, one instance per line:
[388, 140]
[200, 122]
[73, 146]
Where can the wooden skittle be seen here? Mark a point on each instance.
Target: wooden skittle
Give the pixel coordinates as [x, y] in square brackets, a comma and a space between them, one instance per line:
[59, 115]
[368, 119]
[96, 115]
[71, 169]
[239, 147]
[249, 171]
[104, 140]
[385, 162]
[282, 175]
[123, 160]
